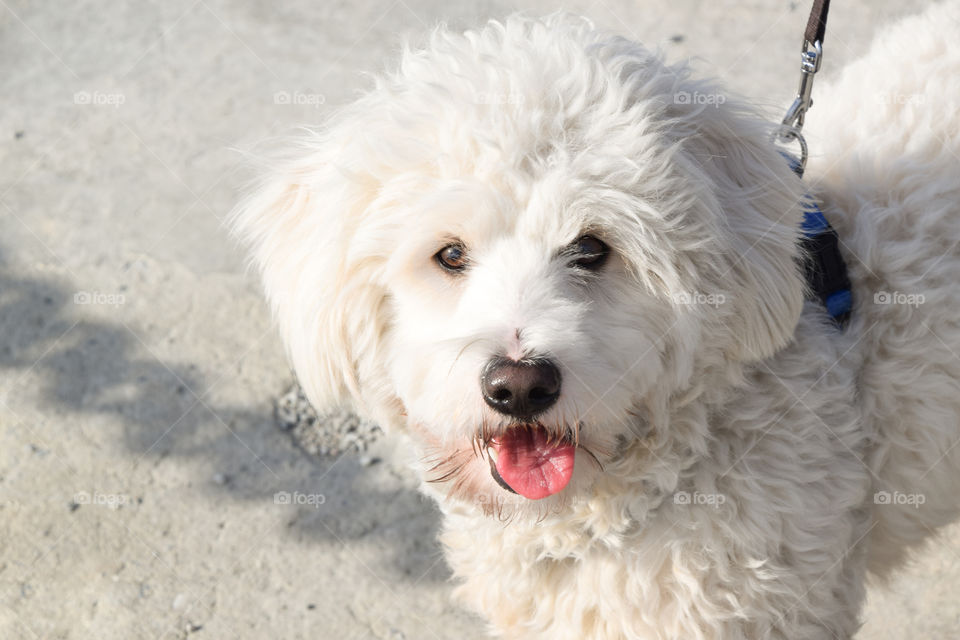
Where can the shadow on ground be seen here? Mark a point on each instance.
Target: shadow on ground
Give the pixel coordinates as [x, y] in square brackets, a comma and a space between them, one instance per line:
[69, 365]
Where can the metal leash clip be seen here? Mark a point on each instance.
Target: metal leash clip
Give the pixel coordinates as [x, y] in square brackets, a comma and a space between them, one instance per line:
[810, 60]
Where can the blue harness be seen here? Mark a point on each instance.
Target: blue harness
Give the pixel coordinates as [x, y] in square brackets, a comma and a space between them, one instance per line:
[823, 265]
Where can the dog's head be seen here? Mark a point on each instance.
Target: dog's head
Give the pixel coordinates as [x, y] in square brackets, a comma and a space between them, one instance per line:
[523, 248]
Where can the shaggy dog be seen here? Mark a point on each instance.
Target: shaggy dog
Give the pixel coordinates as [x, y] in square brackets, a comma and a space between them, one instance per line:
[573, 283]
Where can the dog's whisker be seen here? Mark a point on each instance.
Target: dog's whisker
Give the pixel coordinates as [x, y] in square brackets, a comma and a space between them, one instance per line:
[448, 474]
[593, 457]
[460, 354]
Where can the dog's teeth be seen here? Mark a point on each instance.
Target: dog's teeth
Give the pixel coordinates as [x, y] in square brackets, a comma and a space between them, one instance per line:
[493, 454]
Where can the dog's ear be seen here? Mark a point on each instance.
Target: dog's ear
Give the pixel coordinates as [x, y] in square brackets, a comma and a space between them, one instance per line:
[760, 201]
[754, 199]
[300, 224]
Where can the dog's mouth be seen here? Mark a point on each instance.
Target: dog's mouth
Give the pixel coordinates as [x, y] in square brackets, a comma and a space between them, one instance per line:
[528, 461]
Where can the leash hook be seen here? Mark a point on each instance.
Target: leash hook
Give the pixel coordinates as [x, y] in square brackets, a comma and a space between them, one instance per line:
[811, 57]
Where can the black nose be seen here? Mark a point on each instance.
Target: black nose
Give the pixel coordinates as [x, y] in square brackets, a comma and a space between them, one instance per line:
[520, 389]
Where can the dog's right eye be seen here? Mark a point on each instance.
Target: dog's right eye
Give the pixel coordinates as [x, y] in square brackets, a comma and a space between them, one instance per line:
[591, 251]
[452, 257]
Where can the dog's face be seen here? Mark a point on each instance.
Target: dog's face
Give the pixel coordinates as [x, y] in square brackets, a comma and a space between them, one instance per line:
[520, 328]
[523, 248]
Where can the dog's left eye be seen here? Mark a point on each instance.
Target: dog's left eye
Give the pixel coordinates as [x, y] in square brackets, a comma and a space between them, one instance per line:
[452, 257]
[591, 252]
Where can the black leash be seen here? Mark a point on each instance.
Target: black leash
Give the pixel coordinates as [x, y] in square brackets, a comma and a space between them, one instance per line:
[817, 23]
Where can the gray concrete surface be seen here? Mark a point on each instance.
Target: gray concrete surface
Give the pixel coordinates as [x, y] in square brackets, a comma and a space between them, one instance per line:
[140, 464]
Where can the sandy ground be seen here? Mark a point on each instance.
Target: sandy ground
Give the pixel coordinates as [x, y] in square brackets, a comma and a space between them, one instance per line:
[143, 479]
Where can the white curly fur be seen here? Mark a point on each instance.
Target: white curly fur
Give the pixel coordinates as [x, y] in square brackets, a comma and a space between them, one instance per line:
[732, 441]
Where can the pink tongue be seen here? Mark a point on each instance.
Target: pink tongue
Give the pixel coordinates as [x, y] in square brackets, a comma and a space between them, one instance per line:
[532, 467]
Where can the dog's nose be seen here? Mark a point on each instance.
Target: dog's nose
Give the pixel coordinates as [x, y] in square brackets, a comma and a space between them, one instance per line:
[520, 389]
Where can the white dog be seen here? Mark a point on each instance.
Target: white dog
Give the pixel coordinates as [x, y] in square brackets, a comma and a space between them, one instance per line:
[579, 296]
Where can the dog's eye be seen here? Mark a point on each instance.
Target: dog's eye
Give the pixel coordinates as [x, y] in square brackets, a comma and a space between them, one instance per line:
[452, 257]
[591, 252]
